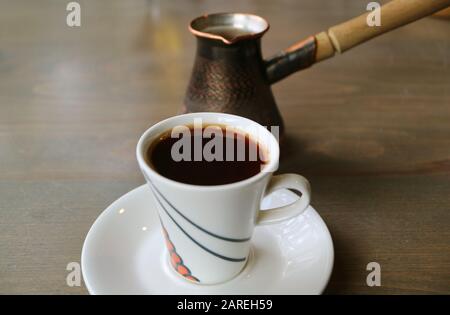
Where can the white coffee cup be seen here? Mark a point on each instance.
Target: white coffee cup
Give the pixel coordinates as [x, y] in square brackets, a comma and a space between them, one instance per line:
[208, 229]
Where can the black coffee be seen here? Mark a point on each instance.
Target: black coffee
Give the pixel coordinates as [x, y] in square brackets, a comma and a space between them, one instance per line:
[222, 158]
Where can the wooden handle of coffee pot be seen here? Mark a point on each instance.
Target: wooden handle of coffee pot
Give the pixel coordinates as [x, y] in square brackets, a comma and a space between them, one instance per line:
[394, 14]
[349, 34]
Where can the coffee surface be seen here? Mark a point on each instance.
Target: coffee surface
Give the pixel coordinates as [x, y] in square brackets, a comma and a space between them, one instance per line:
[226, 31]
[235, 165]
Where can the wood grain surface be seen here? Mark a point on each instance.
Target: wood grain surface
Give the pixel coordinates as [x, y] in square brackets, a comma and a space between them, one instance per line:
[369, 128]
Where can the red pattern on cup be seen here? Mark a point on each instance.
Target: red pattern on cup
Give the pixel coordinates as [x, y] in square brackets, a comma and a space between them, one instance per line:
[176, 261]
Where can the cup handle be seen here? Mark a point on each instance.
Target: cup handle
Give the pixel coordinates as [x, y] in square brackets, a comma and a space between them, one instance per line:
[291, 181]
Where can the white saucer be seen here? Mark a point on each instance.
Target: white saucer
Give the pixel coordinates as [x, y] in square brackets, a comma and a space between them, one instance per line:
[124, 254]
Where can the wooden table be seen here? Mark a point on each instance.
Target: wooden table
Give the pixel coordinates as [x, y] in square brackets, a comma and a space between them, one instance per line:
[370, 129]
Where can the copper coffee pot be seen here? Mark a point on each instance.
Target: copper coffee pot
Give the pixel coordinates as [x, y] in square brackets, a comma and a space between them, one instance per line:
[230, 74]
